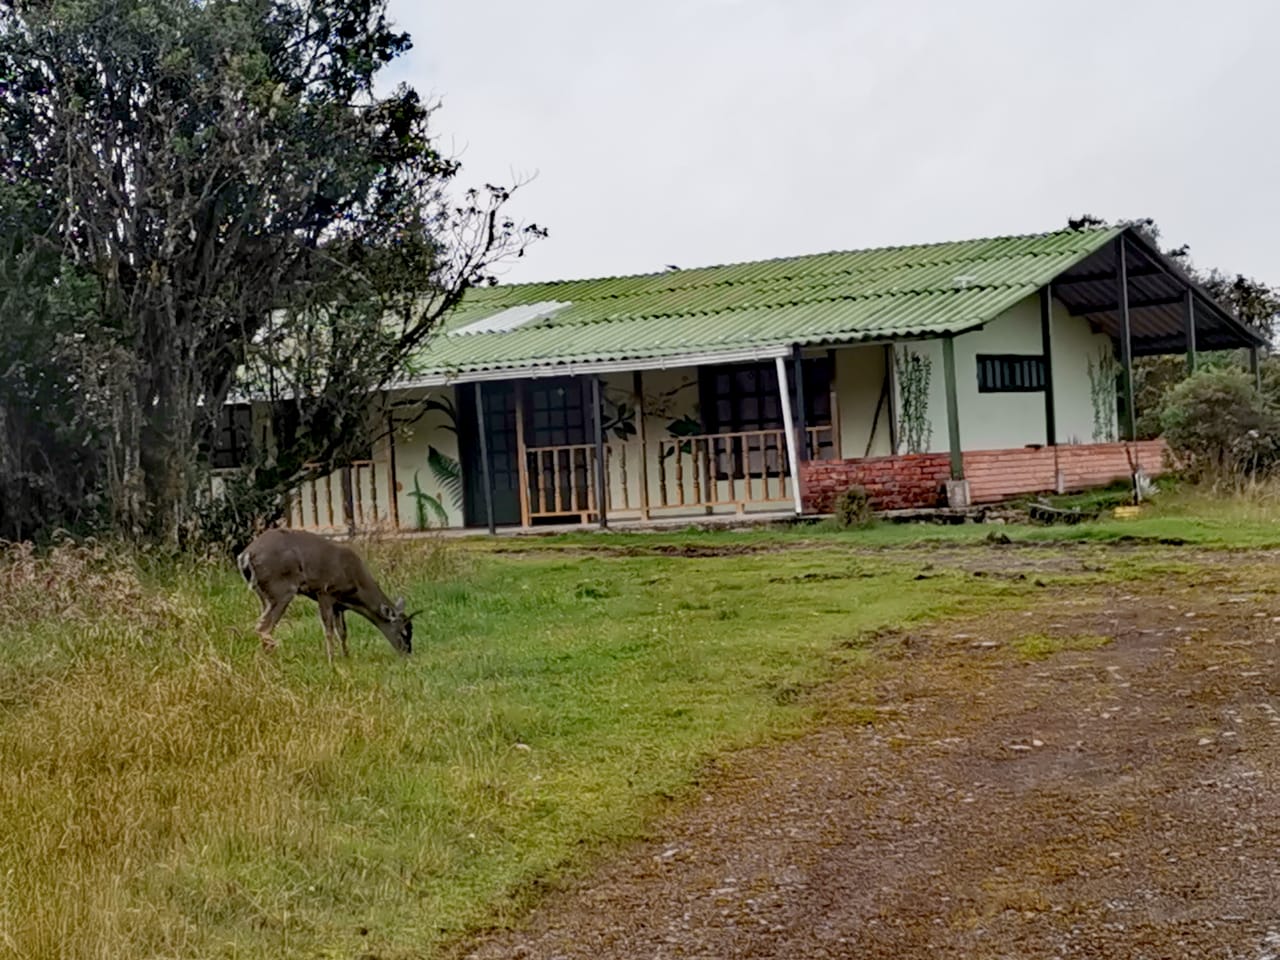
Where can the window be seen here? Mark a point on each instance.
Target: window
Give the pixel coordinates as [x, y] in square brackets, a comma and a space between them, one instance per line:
[231, 438]
[1010, 373]
[744, 398]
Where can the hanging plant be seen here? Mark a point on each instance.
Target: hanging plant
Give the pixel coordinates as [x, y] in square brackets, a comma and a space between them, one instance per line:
[915, 371]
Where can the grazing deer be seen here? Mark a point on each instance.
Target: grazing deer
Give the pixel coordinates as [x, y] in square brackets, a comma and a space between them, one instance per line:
[280, 564]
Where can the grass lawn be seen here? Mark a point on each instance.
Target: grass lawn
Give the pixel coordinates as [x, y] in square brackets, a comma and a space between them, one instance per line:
[167, 790]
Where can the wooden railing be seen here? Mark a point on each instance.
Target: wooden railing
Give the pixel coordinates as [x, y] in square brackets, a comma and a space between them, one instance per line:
[562, 481]
[704, 471]
[347, 498]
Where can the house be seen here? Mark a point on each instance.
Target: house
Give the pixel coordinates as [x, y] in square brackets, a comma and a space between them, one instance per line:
[948, 372]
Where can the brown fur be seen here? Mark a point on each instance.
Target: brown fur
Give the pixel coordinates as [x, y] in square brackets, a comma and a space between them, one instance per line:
[281, 564]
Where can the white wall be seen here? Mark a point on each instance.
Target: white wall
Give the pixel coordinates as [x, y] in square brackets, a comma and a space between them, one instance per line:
[993, 421]
[859, 379]
[412, 444]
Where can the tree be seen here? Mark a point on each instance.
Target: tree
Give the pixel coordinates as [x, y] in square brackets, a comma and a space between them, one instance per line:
[238, 195]
[1254, 302]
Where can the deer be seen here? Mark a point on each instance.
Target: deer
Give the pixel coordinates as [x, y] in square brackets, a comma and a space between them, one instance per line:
[281, 563]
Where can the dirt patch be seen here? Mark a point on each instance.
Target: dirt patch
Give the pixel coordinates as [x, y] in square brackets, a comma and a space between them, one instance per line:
[965, 799]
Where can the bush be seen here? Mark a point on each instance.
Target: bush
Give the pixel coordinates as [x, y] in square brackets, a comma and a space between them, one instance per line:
[853, 508]
[1219, 427]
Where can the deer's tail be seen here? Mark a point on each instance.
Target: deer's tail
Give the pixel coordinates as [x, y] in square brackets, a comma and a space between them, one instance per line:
[246, 568]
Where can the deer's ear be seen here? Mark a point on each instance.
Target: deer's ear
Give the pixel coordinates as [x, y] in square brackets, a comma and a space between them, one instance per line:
[399, 606]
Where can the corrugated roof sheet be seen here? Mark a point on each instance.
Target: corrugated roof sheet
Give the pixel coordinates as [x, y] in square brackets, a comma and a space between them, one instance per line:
[826, 298]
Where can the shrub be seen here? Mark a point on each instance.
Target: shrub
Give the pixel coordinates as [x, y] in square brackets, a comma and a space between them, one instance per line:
[1219, 427]
[853, 508]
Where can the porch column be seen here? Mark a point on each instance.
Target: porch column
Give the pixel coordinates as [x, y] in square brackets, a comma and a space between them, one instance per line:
[1254, 368]
[1046, 341]
[637, 386]
[522, 455]
[953, 407]
[802, 433]
[1126, 341]
[788, 427]
[485, 474]
[1189, 315]
[597, 417]
[891, 382]
[392, 492]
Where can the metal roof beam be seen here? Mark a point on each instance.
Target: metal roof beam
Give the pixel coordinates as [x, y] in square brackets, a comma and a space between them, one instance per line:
[1134, 304]
[1103, 276]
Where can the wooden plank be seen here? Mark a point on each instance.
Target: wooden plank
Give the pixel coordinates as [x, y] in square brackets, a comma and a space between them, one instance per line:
[392, 492]
[637, 384]
[522, 455]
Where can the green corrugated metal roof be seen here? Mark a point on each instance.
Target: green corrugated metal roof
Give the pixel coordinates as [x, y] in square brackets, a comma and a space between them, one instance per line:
[826, 298]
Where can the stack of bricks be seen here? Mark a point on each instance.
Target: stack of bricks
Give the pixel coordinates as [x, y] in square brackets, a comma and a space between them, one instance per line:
[914, 481]
[996, 475]
[892, 483]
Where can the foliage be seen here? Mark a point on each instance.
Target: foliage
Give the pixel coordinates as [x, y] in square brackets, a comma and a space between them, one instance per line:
[1103, 370]
[915, 371]
[853, 508]
[1219, 427]
[445, 470]
[235, 195]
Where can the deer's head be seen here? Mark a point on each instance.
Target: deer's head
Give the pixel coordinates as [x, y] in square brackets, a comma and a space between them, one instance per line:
[397, 625]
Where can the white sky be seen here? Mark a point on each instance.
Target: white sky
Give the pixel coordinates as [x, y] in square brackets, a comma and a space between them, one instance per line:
[695, 132]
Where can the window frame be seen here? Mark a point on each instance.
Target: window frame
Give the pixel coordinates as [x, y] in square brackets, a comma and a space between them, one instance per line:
[1013, 372]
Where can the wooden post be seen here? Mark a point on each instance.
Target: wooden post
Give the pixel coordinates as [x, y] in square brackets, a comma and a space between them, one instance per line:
[597, 407]
[1255, 368]
[348, 502]
[1189, 316]
[953, 407]
[789, 427]
[392, 492]
[798, 411]
[522, 455]
[1126, 341]
[892, 380]
[485, 473]
[637, 385]
[836, 445]
[1046, 341]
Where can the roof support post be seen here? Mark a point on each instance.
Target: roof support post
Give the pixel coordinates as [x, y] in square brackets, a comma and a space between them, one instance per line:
[637, 387]
[393, 486]
[1255, 368]
[1189, 315]
[597, 418]
[953, 407]
[1126, 342]
[486, 474]
[1046, 341]
[802, 434]
[789, 429]
[891, 391]
[522, 454]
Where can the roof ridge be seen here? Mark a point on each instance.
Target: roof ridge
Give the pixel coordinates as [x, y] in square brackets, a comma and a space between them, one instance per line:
[494, 290]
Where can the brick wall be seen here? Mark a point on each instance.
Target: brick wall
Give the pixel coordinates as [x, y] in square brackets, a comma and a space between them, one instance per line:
[995, 475]
[894, 483]
[917, 480]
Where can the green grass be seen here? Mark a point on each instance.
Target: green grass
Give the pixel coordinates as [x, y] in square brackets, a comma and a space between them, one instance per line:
[168, 790]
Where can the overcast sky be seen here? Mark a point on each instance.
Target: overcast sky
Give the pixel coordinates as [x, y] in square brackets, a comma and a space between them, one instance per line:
[695, 132]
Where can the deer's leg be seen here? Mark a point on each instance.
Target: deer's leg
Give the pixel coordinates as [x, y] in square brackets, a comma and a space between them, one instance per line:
[273, 609]
[327, 617]
[340, 621]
